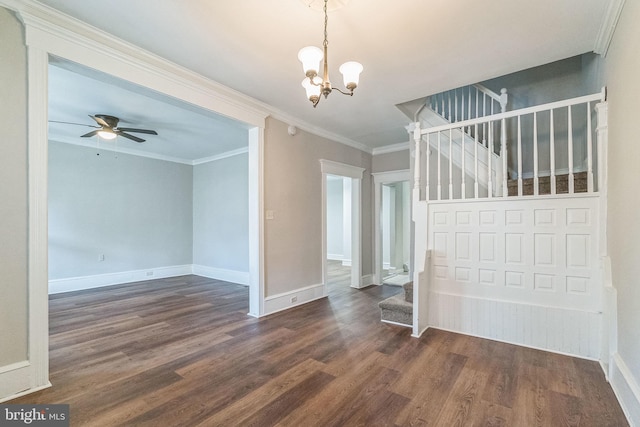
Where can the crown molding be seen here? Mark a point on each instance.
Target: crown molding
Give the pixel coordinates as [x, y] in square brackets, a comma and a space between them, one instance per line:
[392, 148]
[608, 26]
[221, 156]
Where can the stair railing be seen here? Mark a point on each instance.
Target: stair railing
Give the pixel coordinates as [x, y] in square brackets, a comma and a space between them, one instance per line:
[469, 102]
[546, 141]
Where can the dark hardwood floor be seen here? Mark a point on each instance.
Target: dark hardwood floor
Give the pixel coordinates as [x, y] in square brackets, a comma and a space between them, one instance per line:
[183, 352]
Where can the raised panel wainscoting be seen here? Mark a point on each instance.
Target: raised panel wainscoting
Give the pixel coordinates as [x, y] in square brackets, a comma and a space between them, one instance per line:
[524, 271]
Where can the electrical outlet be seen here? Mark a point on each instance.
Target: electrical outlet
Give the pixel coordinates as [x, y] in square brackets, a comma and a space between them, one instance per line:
[149, 273]
[101, 257]
[294, 299]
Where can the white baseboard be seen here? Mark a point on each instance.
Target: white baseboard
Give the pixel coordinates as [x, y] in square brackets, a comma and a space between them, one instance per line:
[367, 280]
[15, 381]
[346, 263]
[335, 257]
[286, 300]
[404, 325]
[99, 280]
[233, 276]
[626, 388]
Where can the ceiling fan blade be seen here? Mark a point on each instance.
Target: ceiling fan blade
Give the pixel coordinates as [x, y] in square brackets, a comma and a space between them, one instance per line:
[71, 123]
[90, 134]
[131, 137]
[100, 121]
[150, 132]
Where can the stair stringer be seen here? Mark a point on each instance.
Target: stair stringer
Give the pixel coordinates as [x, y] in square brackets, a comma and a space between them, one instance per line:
[430, 119]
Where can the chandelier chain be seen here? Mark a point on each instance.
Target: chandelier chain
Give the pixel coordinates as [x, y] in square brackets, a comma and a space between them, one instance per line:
[326, 20]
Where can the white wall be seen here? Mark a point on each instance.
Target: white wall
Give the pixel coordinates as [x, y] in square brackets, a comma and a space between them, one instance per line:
[622, 77]
[135, 211]
[221, 214]
[335, 220]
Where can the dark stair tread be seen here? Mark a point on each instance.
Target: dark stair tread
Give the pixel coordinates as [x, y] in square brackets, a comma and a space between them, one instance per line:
[562, 184]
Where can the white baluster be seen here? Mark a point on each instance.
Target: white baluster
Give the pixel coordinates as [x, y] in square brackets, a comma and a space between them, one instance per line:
[439, 169]
[552, 154]
[463, 190]
[469, 109]
[503, 99]
[450, 165]
[589, 151]
[442, 110]
[455, 95]
[570, 149]
[519, 157]
[503, 154]
[450, 116]
[536, 180]
[416, 163]
[475, 157]
[428, 155]
[489, 163]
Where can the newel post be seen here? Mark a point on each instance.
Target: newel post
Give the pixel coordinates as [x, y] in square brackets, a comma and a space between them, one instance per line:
[503, 99]
[416, 165]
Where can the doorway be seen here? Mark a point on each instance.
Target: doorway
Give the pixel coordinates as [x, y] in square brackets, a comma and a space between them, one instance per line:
[341, 224]
[392, 222]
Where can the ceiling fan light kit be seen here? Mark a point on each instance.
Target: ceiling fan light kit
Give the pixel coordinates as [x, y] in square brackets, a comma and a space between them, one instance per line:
[311, 57]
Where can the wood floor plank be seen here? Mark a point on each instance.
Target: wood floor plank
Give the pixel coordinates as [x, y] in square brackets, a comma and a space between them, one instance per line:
[183, 352]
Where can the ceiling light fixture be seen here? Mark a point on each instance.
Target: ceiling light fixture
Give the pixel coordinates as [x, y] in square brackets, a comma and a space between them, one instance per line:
[315, 86]
[106, 134]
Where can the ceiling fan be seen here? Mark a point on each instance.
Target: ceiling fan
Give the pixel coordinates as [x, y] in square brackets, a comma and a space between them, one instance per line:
[109, 129]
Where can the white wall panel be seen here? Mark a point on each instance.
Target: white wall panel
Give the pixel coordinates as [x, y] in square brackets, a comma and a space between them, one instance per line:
[524, 271]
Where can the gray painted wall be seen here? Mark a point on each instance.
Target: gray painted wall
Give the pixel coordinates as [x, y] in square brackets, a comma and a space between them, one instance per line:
[397, 160]
[293, 190]
[13, 191]
[135, 210]
[622, 71]
[221, 214]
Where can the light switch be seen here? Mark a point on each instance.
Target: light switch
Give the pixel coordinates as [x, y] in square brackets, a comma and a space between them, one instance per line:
[270, 214]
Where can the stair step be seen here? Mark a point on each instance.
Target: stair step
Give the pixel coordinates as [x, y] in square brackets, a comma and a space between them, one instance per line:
[396, 310]
[562, 184]
[408, 292]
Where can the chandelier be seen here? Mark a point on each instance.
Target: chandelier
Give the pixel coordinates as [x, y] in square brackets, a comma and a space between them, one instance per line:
[315, 86]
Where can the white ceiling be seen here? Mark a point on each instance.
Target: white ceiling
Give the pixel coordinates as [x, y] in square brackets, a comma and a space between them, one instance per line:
[409, 49]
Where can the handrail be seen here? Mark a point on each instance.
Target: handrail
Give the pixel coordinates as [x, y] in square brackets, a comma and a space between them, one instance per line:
[600, 96]
[488, 91]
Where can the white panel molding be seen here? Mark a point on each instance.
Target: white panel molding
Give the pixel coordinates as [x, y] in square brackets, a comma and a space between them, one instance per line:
[525, 271]
[108, 279]
[286, 300]
[233, 276]
[626, 389]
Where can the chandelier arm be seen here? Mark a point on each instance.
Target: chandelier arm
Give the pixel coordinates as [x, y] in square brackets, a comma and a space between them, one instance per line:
[315, 103]
[343, 92]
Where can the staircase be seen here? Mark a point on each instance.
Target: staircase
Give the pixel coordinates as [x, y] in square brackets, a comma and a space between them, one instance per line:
[398, 309]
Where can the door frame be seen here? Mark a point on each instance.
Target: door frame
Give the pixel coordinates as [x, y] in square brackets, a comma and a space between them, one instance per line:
[379, 179]
[77, 42]
[329, 167]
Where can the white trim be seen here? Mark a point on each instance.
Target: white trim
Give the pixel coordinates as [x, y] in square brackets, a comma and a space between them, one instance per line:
[380, 178]
[256, 222]
[156, 156]
[626, 389]
[108, 279]
[367, 280]
[286, 300]
[341, 169]
[608, 26]
[233, 276]
[335, 257]
[390, 322]
[220, 156]
[392, 148]
[25, 392]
